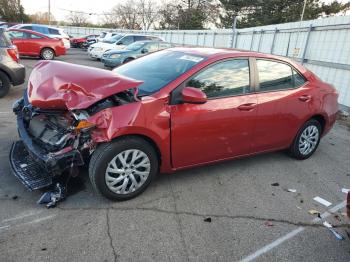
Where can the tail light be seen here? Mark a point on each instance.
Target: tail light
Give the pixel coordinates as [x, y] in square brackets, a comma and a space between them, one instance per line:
[13, 53]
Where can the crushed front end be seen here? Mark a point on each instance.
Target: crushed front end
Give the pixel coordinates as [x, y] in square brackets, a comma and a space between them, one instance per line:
[52, 142]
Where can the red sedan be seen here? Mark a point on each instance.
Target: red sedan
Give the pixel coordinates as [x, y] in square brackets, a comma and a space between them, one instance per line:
[173, 109]
[79, 41]
[30, 43]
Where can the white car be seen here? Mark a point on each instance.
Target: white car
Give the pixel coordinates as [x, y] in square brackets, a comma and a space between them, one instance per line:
[47, 30]
[116, 42]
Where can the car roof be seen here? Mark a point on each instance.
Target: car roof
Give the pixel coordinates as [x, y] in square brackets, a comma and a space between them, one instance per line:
[230, 52]
[28, 31]
[38, 25]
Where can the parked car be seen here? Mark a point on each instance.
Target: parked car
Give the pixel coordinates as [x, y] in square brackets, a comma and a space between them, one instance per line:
[11, 71]
[30, 43]
[7, 24]
[80, 41]
[48, 31]
[166, 111]
[115, 58]
[117, 42]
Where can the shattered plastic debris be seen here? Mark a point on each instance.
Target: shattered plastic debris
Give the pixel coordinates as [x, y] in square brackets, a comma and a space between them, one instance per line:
[345, 190]
[322, 201]
[268, 223]
[292, 190]
[314, 212]
[335, 233]
[275, 184]
[51, 198]
[207, 219]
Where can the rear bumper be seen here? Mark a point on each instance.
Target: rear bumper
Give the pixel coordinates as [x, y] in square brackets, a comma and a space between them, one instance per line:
[16, 72]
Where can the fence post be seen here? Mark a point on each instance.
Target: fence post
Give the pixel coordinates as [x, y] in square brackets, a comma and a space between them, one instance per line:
[171, 36]
[261, 35]
[214, 36]
[197, 39]
[236, 39]
[290, 34]
[306, 44]
[273, 40]
[183, 38]
[204, 38]
[252, 41]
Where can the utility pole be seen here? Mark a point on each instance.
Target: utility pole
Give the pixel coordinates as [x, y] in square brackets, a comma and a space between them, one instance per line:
[234, 25]
[49, 12]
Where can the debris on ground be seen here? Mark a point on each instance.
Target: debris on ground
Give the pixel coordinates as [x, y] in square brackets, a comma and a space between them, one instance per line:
[275, 184]
[314, 212]
[345, 190]
[322, 201]
[335, 233]
[15, 197]
[291, 190]
[50, 198]
[268, 223]
[207, 219]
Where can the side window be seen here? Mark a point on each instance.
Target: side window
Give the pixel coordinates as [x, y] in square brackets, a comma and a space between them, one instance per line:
[152, 47]
[228, 78]
[139, 38]
[16, 34]
[33, 36]
[298, 80]
[164, 45]
[53, 31]
[41, 29]
[274, 75]
[127, 40]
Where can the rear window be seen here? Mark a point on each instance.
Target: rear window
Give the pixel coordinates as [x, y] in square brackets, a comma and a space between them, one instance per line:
[4, 39]
[53, 31]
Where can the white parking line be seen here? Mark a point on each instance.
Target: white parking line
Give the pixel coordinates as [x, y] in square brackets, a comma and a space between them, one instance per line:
[290, 235]
[22, 215]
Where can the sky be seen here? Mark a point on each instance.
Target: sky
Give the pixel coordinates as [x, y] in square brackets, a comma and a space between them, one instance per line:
[59, 7]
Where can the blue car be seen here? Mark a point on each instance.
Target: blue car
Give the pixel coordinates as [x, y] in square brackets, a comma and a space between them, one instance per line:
[114, 58]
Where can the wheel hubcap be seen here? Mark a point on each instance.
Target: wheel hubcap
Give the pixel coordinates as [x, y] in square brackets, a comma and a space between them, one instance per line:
[48, 54]
[127, 171]
[308, 140]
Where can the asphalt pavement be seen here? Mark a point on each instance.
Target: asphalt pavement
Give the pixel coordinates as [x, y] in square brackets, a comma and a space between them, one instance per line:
[224, 212]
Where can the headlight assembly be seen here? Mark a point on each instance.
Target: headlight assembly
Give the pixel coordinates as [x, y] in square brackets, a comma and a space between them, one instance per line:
[114, 56]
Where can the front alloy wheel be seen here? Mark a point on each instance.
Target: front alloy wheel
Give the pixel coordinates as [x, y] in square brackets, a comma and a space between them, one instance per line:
[47, 54]
[123, 169]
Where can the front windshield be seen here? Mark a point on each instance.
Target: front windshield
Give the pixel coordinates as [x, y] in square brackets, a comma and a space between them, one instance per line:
[135, 46]
[158, 69]
[113, 39]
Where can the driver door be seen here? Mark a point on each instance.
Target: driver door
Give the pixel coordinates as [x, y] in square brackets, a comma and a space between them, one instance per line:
[222, 127]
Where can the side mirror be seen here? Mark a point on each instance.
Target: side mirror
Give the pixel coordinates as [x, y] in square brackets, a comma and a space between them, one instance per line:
[144, 51]
[193, 95]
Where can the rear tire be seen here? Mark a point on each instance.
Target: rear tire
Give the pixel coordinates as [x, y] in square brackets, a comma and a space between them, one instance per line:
[4, 84]
[123, 169]
[47, 54]
[307, 140]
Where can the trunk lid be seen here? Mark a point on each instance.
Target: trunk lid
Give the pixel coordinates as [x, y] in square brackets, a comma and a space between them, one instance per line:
[59, 85]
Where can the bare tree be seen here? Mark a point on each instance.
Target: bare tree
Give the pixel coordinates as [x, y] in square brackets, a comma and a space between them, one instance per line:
[41, 18]
[148, 12]
[77, 18]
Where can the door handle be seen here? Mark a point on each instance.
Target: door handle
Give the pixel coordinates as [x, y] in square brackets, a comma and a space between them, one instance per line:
[247, 107]
[305, 98]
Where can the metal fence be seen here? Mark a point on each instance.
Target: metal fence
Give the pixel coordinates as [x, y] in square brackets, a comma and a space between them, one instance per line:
[322, 45]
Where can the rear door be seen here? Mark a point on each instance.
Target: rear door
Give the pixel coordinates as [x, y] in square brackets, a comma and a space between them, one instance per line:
[223, 126]
[281, 105]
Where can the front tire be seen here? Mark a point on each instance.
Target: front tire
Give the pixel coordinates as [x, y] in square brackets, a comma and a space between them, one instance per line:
[47, 54]
[307, 140]
[4, 84]
[123, 169]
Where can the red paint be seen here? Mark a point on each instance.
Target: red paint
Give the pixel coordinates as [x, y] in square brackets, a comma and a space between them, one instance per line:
[187, 134]
[50, 86]
[33, 46]
[193, 95]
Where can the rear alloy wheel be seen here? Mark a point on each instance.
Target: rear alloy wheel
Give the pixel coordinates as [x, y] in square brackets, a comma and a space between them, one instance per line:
[123, 169]
[47, 54]
[4, 84]
[307, 140]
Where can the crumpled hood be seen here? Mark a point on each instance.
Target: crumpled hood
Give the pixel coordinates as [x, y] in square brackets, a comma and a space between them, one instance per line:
[59, 85]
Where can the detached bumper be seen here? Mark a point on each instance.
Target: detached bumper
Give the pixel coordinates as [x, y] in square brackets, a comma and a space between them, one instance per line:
[34, 166]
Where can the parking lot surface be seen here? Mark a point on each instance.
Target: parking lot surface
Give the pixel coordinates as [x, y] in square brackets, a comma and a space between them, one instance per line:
[224, 212]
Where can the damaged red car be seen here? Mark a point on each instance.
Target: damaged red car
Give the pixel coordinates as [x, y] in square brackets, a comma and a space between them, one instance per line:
[170, 110]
